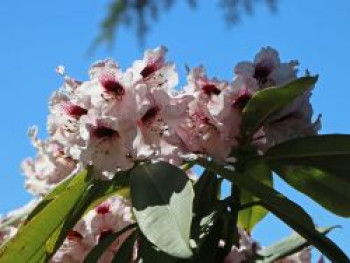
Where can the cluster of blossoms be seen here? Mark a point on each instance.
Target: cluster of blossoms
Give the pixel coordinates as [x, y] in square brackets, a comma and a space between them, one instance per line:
[11, 221]
[117, 118]
[111, 216]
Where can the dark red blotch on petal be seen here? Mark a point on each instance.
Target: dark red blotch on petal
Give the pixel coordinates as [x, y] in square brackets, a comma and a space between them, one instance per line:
[74, 110]
[150, 115]
[148, 70]
[103, 209]
[112, 86]
[105, 132]
[210, 89]
[242, 101]
[73, 235]
[262, 73]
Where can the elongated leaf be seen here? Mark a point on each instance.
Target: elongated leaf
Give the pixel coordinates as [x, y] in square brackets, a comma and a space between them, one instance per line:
[206, 193]
[162, 196]
[289, 212]
[318, 166]
[328, 190]
[269, 101]
[33, 235]
[149, 254]
[287, 247]
[49, 197]
[125, 252]
[209, 247]
[249, 217]
[330, 153]
[105, 243]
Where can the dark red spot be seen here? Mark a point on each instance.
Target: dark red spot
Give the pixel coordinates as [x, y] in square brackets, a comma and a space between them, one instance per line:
[104, 234]
[150, 115]
[73, 235]
[148, 70]
[242, 101]
[104, 132]
[103, 209]
[112, 86]
[262, 73]
[210, 89]
[200, 116]
[255, 247]
[74, 110]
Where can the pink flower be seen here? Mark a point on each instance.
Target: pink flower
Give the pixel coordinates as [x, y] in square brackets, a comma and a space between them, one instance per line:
[295, 120]
[154, 71]
[267, 70]
[103, 67]
[158, 112]
[76, 246]
[64, 121]
[212, 125]
[108, 144]
[50, 166]
[247, 248]
[111, 216]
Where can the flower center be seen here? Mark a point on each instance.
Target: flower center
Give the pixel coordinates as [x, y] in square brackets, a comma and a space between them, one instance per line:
[73, 235]
[262, 73]
[103, 209]
[110, 85]
[242, 101]
[148, 70]
[150, 115]
[74, 110]
[210, 89]
[105, 132]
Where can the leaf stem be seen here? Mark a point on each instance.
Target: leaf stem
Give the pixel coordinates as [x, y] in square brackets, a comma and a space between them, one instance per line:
[249, 205]
[235, 207]
[187, 166]
[235, 204]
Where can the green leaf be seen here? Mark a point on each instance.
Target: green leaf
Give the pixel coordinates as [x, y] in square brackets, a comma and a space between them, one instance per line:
[269, 101]
[329, 191]
[206, 193]
[289, 212]
[125, 252]
[32, 236]
[49, 197]
[287, 247]
[330, 153]
[317, 166]
[249, 217]
[162, 196]
[105, 243]
[209, 246]
[150, 254]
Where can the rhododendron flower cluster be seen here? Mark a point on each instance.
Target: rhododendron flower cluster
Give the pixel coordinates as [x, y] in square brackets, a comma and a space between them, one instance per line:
[117, 118]
[109, 217]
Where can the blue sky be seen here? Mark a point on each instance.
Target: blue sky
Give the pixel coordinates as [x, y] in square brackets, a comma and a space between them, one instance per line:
[36, 36]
